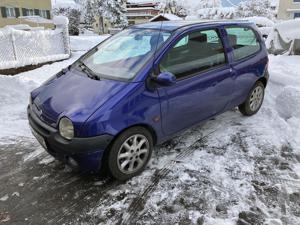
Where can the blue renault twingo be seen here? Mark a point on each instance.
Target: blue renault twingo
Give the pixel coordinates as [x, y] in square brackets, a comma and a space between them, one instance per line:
[143, 85]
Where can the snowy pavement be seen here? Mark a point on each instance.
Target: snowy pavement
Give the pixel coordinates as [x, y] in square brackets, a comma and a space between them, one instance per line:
[229, 170]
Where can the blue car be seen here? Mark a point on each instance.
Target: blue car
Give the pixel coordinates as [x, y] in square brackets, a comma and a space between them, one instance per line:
[142, 86]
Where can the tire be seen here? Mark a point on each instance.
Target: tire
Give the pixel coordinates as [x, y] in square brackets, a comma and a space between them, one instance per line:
[254, 101]
[130, 153]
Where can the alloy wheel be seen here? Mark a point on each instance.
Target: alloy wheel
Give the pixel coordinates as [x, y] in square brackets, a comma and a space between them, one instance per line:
[133, 154]
[256, 98]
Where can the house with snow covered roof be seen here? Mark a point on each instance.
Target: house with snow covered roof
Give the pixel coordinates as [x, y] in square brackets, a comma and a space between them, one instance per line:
[289, 9]
[165, 17]
[13, 12]
[141, 12]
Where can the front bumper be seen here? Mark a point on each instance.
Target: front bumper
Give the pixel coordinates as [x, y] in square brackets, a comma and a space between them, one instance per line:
[85, 152]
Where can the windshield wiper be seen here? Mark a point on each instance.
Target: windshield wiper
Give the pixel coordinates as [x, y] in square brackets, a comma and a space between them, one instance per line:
[90, 73]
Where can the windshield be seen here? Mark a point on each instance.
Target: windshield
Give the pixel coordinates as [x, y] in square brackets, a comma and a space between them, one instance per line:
[124, 54]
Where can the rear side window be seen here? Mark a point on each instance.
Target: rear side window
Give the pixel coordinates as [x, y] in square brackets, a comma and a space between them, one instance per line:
[243, 41]
[196, 52]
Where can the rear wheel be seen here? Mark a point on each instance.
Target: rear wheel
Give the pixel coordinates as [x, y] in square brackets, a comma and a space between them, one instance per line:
[254, 101]
[130, 153]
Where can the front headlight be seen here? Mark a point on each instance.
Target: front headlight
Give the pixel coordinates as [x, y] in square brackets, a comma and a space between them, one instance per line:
[66, 128]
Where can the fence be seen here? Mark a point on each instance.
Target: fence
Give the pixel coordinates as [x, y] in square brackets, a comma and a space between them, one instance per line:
[20, 48]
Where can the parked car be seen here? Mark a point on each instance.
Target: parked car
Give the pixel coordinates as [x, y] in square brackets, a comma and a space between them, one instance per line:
[144, 85]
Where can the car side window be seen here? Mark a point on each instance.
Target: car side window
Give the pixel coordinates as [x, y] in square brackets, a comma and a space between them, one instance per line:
[194, 53]
[243, 41]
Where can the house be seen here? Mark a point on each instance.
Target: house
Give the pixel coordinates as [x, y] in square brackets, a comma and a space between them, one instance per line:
[141, 12]
[165, 17]
[288, 9]
[14, 12]
[102, 25]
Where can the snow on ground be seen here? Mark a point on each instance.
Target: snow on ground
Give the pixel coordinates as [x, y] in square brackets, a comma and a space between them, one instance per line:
[230, 170]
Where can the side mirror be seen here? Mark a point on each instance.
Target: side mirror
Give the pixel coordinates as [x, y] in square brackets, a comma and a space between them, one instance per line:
[166, 79]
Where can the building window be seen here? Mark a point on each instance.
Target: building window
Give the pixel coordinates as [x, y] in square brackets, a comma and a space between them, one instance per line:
[10, 12]
[297, 15]
[297, 1]
[43, 13]
[30, 12]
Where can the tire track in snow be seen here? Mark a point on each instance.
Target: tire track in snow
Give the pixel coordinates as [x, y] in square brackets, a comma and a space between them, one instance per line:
[130, 216]
[107, 184]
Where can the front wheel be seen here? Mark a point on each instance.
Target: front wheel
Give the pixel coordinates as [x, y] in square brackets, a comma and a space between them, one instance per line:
[254, 101]
[130, 153]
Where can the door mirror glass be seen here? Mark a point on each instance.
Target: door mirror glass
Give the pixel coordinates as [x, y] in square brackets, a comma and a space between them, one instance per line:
[166, 79]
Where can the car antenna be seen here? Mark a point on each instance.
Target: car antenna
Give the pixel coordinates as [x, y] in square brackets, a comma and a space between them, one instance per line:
[157, 41]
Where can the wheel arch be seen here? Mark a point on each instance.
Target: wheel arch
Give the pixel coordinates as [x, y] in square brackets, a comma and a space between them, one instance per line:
[146, 126]
[263, 80]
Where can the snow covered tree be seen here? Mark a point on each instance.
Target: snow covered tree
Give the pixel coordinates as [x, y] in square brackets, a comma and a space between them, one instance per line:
[194, 6]
[174, 7]
[203, 4]
[116, 12]
[248, 8]
[73, 16]
[88, 14]
[74, 21]
[112, 10]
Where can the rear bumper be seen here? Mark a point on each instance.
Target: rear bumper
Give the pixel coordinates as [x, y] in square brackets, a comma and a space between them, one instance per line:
[86, 152]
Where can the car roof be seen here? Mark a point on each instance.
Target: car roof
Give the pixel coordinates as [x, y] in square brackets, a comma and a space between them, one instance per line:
[174, 25]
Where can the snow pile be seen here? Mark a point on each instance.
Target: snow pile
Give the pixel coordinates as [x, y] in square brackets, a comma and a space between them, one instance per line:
[36, 19]
[23, 27]
[285, 38]
[61, 20]
[288, 103]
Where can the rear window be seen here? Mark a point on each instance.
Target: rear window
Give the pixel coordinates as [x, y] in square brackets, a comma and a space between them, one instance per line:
[243, 41]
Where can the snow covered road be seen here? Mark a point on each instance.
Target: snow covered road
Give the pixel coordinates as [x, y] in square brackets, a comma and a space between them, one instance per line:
[229, 170]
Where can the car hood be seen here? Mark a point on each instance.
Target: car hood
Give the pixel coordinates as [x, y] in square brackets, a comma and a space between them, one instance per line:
[73, 95]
